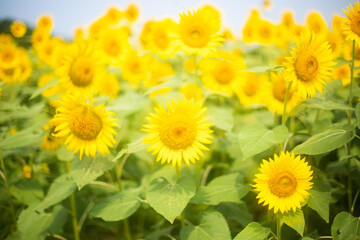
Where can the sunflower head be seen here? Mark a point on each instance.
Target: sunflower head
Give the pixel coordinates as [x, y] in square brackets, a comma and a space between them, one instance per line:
[310, 65]
[178, 133]
[18, 29]
[283, 182]
[45, 23]
[351, 28]
[132, 12]
[316, 24]
[198, 32]
[85, 127]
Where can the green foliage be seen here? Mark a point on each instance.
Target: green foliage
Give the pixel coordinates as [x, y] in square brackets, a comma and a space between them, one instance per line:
[227, 188]
[221, 117]
[256, 138]
[212, 227]
[357, 113]
[170, 199]
[295, 220]
[345, 226]
[253, 231]
[320, 197]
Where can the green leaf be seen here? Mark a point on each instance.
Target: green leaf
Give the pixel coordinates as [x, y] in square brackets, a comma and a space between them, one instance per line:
[33, 225]
[116, 207]
[170, 199]
[132, 147]
[222, 117]
[345, 226]
[39, 90]
[88, 169]
[168, 84]
[28, 191]
[59, 190]
[212, 226]
[320, 197]
[227, 188]
[238, 212]
[255, 138]
[357, 113]
[340, 62]
[159, 233]
[295, 220]
[327, 104]
[25, 138]
[261, 69]
[326, 141]
[253, 231]
[64, 155]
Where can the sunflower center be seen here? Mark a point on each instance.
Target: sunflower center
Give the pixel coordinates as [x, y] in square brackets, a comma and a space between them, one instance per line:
[8, 56]
[82, 72]
[283, 184]
[306, 67]
[161, 40]
[112, 48]
[224, 74]
[195, 36]
[85, 124]
[355, 24]
[250, 89]
[177, 132]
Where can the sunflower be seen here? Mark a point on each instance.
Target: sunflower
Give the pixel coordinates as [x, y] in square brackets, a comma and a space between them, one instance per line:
[109, 86]
[135, 68]
[222, 75]
[50, 51]
[250, 28]
[265, 33]
[310, 65]
[337, 26]
[351, 28]
[316, 24]
[85, 127]
[274, 94]
[113, 15]
[178, 133]
[18, 29]
[132, 12]
[248, 90]
[192, 91]
[342, 73]
[51, 91]
[81, 69]
[198, 32]
[45, 23]
[336, 44]
[283, 183]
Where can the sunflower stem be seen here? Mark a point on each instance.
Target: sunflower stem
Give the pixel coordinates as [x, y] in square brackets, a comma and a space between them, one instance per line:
[127, 229]
[355, 198]
[7, 189]
[278, 227]
[73, 209]
[351, 81]
[118, 170]
[349, 184]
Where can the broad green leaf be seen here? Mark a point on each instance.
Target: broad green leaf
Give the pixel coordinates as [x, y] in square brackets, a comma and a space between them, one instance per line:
[159, 233]
[59, 190]
[116, 207]
[357, 113]
[345, 227]
[340, 62]
[326, 141]
[212, 226]
[235, 211]
[327, 104]
[295, 220]
[320, 197]
[255, 138]
[25, 138]
[64, 155]
[39, 90]
[28, 191]
[170, 199]
[132, 147]
[222, 117]
[33, 225]
[261, 69]
[88, 169]
[253, 231]
[128, 103]
[20, 112]
[227, 188]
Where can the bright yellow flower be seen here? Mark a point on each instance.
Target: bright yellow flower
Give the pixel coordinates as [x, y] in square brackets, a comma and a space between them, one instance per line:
[192, 91]
[38, 37]
[146, 34]
[267, 4]
[348, 48]
[274, 94]
[222, 75]
[6, 39]
[342, 73]
[178, 133]
[135, 68]
[161, 42]
[85, 127]
[190, 65]
[51, 91]
[81, 68]
[248, 90]
[336, 44]
[113, 15]
[18, 29]
[316, 24]
[132, 12]
[287, 20]
[250, 28]
[228, 35]
[109, 86]
[310, 65]
[160, 72]
[351, 28]
[50, 143]
[283, 183]
[79, 35]
[27, 171]
[45, 23]
[337, 25]
[15, 65]
[265, 32]
[198, 33]
[51, 51]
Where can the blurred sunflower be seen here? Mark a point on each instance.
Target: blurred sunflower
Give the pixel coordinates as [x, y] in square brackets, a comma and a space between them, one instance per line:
[342, 73]
[317, 25]
[109, 86]
[80, 69]
[274, 94]
[132, 12]
[248, 90]
[52, 90]
[310, 65]
[179, 133]
[135, 68]
[113, 16]
[45, 23]
[351, 27]
[265, 33]
[250, 28]
[192, 91]
[283, 183]
[51, 51]
[49, 142]
[198, 33]
[336, 44]
[18, 29]
[221, 75]
[85, 127]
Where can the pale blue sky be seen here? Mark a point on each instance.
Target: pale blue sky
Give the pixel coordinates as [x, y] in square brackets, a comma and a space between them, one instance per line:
[69, 14]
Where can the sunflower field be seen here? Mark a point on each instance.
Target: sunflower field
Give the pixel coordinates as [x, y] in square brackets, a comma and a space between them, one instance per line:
[176, 129]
